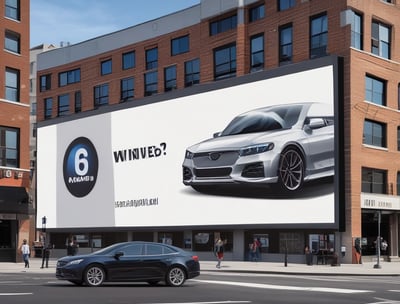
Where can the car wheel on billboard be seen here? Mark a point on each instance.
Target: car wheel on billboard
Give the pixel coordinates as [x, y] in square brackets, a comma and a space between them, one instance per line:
[291, 170]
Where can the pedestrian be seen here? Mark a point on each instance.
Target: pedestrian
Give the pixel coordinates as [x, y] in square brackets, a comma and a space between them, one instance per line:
[46, 255]
[219, 251]
[384, 246]
[255, 250]
[25, 253]
[357, 249]
[309, 257]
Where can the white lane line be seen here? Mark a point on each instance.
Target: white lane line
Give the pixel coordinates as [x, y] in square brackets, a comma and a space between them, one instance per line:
[385, 301]
[214, 302]
[16, 294]
[394, 290]
[281, 287]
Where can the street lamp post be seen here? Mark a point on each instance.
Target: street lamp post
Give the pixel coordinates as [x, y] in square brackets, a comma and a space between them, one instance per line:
[378, 242]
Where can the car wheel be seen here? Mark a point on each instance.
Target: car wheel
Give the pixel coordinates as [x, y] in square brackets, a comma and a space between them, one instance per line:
[76, 282]
[176, 276]
[94, 275]
[291, 170]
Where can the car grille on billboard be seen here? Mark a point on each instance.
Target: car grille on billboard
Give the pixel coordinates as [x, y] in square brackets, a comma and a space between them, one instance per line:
[214, 159]
[216, 172]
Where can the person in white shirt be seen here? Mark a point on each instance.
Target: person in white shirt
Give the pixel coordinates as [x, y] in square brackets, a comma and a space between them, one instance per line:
[25, 253]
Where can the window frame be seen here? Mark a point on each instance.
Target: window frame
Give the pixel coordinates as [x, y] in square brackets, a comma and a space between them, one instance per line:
[6, 148]
[378, 136]
[63, 105]
[12, 11]
[318, 35]
[12, 86]
[377, 42]
[371, 185]
[12, 42]
[223, 25]
[229, 72]
[45, 82]
[78, 101]
[127, 89]
[371, 93]
[192, 72]
[180, 45]
[283, 59]
[150, 88]
[170, 78]
[48, 107]
[128, 60]
[152, 58]
[284, 5]
[69, 77]
[106, 67]
[101, 95]
[357, 30]
[257, 13]
[254, 53]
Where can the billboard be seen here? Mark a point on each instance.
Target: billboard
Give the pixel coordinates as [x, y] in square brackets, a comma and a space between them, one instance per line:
[257, 150]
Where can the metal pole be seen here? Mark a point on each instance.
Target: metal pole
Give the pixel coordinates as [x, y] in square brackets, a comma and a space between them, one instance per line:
[378, 242]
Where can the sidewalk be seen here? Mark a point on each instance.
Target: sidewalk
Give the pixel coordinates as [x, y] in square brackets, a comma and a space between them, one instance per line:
[387, 268]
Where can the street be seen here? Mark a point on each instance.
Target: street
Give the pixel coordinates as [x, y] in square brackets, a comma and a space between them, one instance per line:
[210, 287]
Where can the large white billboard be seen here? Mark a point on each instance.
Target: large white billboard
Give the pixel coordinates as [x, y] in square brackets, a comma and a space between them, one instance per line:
[179, 162]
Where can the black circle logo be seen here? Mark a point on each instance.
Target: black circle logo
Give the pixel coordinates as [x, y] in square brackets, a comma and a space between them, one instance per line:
[80, 167]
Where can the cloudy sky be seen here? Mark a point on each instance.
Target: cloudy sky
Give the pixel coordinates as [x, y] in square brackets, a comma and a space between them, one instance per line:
[73, 21]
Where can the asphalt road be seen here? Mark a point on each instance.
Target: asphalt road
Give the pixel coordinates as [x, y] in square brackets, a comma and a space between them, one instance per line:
[209, 288]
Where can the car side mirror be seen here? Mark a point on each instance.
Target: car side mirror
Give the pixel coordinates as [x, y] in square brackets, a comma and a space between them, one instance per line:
[316, 123]
[217, 134]
[118, 254]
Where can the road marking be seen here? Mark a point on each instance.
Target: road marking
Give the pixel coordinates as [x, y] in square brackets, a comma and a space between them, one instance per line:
[385, 301]
[17, 294]
[282, 287]
[214, 302]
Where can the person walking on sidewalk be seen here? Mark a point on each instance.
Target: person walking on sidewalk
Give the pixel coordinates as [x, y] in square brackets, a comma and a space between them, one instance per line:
[46, 255]
[219, 251]
[25, 253]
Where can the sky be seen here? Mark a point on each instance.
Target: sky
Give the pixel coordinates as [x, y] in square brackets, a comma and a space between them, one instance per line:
[73, 21]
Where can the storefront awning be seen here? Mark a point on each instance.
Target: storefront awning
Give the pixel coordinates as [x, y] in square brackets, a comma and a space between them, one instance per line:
[14, 200]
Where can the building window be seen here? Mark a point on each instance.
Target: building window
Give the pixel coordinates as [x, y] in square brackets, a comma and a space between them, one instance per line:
[12, 84]
[63, 105]
[34, 129]
[319, 36]
[380, 40]
[374, 181]
[106, 67]
[12, 9]
[398, 138]
[9, 147]
[100, 95]
[180, 45]
[374, 133]
[150, 83]
[357, 31]
[398, 183]
[223, 25]
[127, 89]
[78, 101]
[225, 62]
[257, 13]
[285, 4]
[151, 59]
[192, 72]
[128, 60]
[33, 108]
[45, 82]
[170, 78]
[375, 90]
[257, 52]
[285, 44]
[48, 107]
[69, 77]
[291, 242]
[12, 42]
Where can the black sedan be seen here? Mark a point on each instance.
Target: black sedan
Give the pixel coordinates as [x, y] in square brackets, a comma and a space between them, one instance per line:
[130, 261]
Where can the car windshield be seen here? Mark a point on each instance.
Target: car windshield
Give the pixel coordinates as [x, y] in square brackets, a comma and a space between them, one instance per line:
[264, 120]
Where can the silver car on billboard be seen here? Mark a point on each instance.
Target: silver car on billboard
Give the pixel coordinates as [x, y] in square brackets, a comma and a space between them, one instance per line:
[286, 145]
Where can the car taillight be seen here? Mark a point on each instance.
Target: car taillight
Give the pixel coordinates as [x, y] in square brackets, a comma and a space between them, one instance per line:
[195, 258]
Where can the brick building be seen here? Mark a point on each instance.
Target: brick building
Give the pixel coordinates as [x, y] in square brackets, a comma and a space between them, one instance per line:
[16, 221]
[227, 40]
